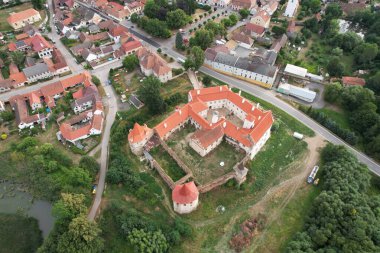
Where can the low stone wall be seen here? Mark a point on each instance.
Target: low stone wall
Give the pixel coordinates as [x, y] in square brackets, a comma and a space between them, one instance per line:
[215, 183]
[164, 176]
[176, 158]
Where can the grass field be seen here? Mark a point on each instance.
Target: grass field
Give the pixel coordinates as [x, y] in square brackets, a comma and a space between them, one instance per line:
[341, 118]
[19, 234]
[4, 14]
[167, 163]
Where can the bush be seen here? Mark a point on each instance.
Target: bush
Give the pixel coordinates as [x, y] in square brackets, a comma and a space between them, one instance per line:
[177, 71]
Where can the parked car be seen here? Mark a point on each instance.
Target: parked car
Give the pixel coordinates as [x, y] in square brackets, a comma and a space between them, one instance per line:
[94, 187]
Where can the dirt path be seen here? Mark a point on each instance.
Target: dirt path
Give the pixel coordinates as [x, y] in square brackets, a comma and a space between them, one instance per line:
[288, 187]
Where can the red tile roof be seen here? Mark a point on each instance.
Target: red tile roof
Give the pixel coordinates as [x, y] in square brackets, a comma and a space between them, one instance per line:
[350, 80]
[138, 133]
[71, 134]
[185, 194]
[22, 15]
[255, 28]
[206, 137]
[263, 120]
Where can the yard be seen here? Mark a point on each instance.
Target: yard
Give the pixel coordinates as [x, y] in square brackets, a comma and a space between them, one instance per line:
[4, 14]
[341, 118]
[208, 168]
[167, 163]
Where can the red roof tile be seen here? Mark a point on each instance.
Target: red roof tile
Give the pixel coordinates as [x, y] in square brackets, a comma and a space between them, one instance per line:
[185, 194]
[350, 80]
[22, 15]
[138, 133]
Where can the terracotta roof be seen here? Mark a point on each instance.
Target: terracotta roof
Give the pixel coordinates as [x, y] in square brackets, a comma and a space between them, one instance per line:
[254, 28]
[185, 194]
[138, 133]
[117, 30]
[97, 122]
[150, 60]
[263, 15]
[242, 3]
[22, 36]
[262, 119]
[206, 137]
[38, 43]
[13, 69]
[70, 133]
[241, 37]
[350, 80]
[18, 78]
[131, 45]
[22, 15]
[52, 89]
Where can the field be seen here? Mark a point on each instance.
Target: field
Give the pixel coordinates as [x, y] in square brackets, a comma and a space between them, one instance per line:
[19, 234]
[4, 14]
[167, 163]
[205, 168]
[341, 118]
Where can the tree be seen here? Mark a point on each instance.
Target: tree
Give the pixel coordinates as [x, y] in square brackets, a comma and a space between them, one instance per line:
[130, 62]
[226, 22]
[234, 19]
[82, 236]
[179, 41]
[332, 92]
[149, 92]
[244, 13]
[206, 81]
[202, 38]
[337, 51]
[333, 11]
[176, 19]
[188, 6]
[364, 117]
[278, 30]
[216, 28]
[365, 52]
[335, 67]
[7, 116]
[38, 4]
[135, 18]
[151, 9]
[144, 241]
[90, 164]
[312, 24]
[95, 80]
[353, 97]
[69, 207]
[18, 58]
[373, 83]
[155, 27]
[347, 41]
[196, 58]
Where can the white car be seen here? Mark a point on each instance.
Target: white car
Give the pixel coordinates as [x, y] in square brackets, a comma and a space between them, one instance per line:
[108, 95]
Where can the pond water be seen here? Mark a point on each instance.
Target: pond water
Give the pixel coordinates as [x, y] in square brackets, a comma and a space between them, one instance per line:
[14, 199]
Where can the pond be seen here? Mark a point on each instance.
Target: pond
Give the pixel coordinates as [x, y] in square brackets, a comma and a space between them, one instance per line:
[14, 199]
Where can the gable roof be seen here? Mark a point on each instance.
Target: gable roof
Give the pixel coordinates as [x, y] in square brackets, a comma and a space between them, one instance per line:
[253, 28]
[22, 15]
[351, 80]
[138, 133]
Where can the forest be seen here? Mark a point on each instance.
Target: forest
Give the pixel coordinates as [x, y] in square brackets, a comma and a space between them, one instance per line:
[344, 217]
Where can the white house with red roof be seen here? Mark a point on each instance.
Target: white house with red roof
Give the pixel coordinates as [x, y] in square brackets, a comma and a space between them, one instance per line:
[20, 19]
[261, 18]
[185, 198]
[152, 64]
[138, 137]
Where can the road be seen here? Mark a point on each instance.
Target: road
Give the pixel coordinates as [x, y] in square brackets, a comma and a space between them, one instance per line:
[266, 95]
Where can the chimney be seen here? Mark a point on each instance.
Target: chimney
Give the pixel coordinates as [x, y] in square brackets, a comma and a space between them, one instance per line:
[258, 105]
[243, 100]
[239, 92]
[224, 124]
[198, 92]
[259, 117]
[165, 125]
[253, 108]
[180, 112]
[220, 88]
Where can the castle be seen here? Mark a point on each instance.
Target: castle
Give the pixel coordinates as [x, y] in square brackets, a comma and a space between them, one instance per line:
[217, 113]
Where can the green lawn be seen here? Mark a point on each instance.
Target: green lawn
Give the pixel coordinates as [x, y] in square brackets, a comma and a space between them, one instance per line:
[19, 234]
[340, 118]
[167, 163]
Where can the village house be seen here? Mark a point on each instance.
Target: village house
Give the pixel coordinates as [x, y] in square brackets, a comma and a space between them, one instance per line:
[23, 118]
[138, 137]
[256, 72]
[270, 7]
[254, 30]
[261, 18]
[152, 64]
[243, 39]
[85, 98]
[37, 72]
[20, 19]
[279, 43]
[36, 44]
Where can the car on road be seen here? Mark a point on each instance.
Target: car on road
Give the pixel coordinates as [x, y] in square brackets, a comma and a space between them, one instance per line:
[94, 187]
[108, 95]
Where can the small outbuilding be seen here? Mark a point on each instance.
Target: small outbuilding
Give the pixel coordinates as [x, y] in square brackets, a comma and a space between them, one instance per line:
[294, 70]
[185, 197]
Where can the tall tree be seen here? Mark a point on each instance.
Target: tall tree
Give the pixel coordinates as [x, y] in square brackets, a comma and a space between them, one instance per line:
[18, 58]
[69, 206]
[335, 67]
[38, 4]
[176, 19]
[148, 241]
[196, 58]
[365, 52]
[130, 62]
[333, 11]
[82, 236]
[149, 92]
[202, 38]
[179, 41]
[373, 83]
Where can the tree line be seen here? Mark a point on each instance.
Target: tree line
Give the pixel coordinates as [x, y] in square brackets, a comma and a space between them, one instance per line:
[343, 218]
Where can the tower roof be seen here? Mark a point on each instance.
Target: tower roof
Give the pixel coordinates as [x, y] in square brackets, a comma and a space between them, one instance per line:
[185, 193]
[138, 133]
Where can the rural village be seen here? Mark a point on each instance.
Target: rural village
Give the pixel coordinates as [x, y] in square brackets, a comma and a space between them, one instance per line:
[189, 126]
